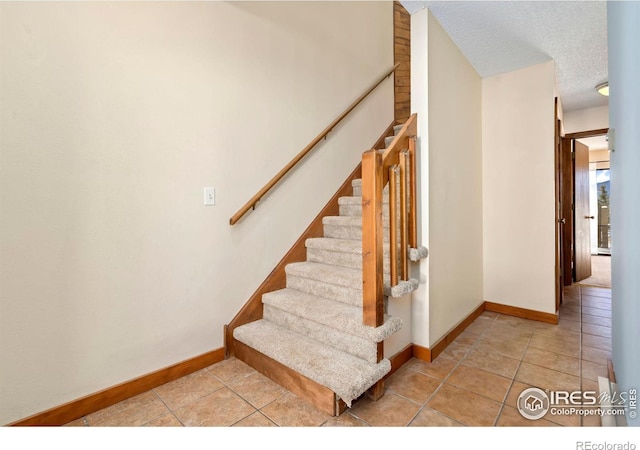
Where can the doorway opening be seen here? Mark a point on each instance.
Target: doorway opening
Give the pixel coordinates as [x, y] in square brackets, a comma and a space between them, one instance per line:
[590, 237]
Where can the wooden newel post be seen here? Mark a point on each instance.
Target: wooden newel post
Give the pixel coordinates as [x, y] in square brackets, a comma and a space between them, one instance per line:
[372, 242]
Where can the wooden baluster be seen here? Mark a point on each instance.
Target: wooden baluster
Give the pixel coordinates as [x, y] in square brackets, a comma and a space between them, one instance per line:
[394, 172]
[413, 218]
[404, 157]
[372, 246]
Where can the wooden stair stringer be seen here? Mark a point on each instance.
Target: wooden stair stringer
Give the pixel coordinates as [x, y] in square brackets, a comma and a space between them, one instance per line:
[318, 395]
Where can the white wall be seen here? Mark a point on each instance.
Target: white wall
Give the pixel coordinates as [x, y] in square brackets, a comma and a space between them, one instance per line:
[586, 119]
[455, 184]
[446, 92]
[624, 71]
[420, 104]
[518, 188]
[113, 117]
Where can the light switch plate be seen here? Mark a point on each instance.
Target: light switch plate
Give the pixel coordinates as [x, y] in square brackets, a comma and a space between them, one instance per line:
[209, 196]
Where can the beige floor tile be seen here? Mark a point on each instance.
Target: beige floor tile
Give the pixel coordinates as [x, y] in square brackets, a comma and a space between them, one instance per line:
[510, 417]
[345, 419]
[590, 385]
[230, 369]
[591, 370]
[483, 356]
[571, 307]
[187, 389]
[291, 411]
[596, 312]
[257, 389]
[132, 412]
[569, 325]
[570, 315]
[464, 406]
[168, 420]
[596, 320]
[595, 292]
[438, 368]
[489, 314]
[505, 345]
[413, 385]
[457, 350]
[508, 330]
[544, 378]
[597, 330]
[596, 355]
[555, 361]
[220, 408]
[428, 417]
[562, 344]
[257, 419]
[389, 411]
[596, 302]
[515, 322]
[600, 342]
[481, 382]
[479, 325]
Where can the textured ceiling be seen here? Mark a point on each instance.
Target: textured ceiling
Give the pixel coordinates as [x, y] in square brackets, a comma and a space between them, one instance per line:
[502, 36]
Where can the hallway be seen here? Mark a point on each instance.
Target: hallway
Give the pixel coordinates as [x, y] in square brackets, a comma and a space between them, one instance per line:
[475, 382]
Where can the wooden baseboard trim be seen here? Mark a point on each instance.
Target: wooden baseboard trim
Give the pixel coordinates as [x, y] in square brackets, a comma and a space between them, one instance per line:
[448, 338]
[421, 352]
[522, 312]
[320, 396]
[75, 409]
[399, 359]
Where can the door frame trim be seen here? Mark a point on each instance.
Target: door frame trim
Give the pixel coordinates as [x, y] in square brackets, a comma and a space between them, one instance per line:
[571, 137]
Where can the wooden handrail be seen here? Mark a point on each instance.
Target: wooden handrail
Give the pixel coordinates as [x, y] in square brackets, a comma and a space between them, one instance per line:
[267, 187]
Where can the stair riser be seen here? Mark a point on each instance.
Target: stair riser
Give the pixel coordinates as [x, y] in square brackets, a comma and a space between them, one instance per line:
[338, 293]
[356, 210]
[340, 341]
[351, 260]
[345, 232]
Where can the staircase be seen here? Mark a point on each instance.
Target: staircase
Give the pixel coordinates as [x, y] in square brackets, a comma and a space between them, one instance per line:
[311, 335]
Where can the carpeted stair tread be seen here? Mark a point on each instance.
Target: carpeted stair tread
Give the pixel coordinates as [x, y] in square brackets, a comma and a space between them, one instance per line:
[329, 274]
[348, 343]
[335, 245]
[337, 315]
[346, 375]
[397, 128]
[341, 252]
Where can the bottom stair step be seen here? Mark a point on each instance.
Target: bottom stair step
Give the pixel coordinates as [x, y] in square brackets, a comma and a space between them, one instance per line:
[346, 375]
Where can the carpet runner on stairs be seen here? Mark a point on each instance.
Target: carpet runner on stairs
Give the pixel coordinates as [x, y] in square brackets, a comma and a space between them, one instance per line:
[314, 325]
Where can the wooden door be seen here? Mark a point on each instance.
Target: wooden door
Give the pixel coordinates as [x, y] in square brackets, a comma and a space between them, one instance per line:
[558, 172]
[566, 193]
[582, 214]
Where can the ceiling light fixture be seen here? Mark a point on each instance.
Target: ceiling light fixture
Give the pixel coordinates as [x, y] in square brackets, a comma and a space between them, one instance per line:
[603, 88]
